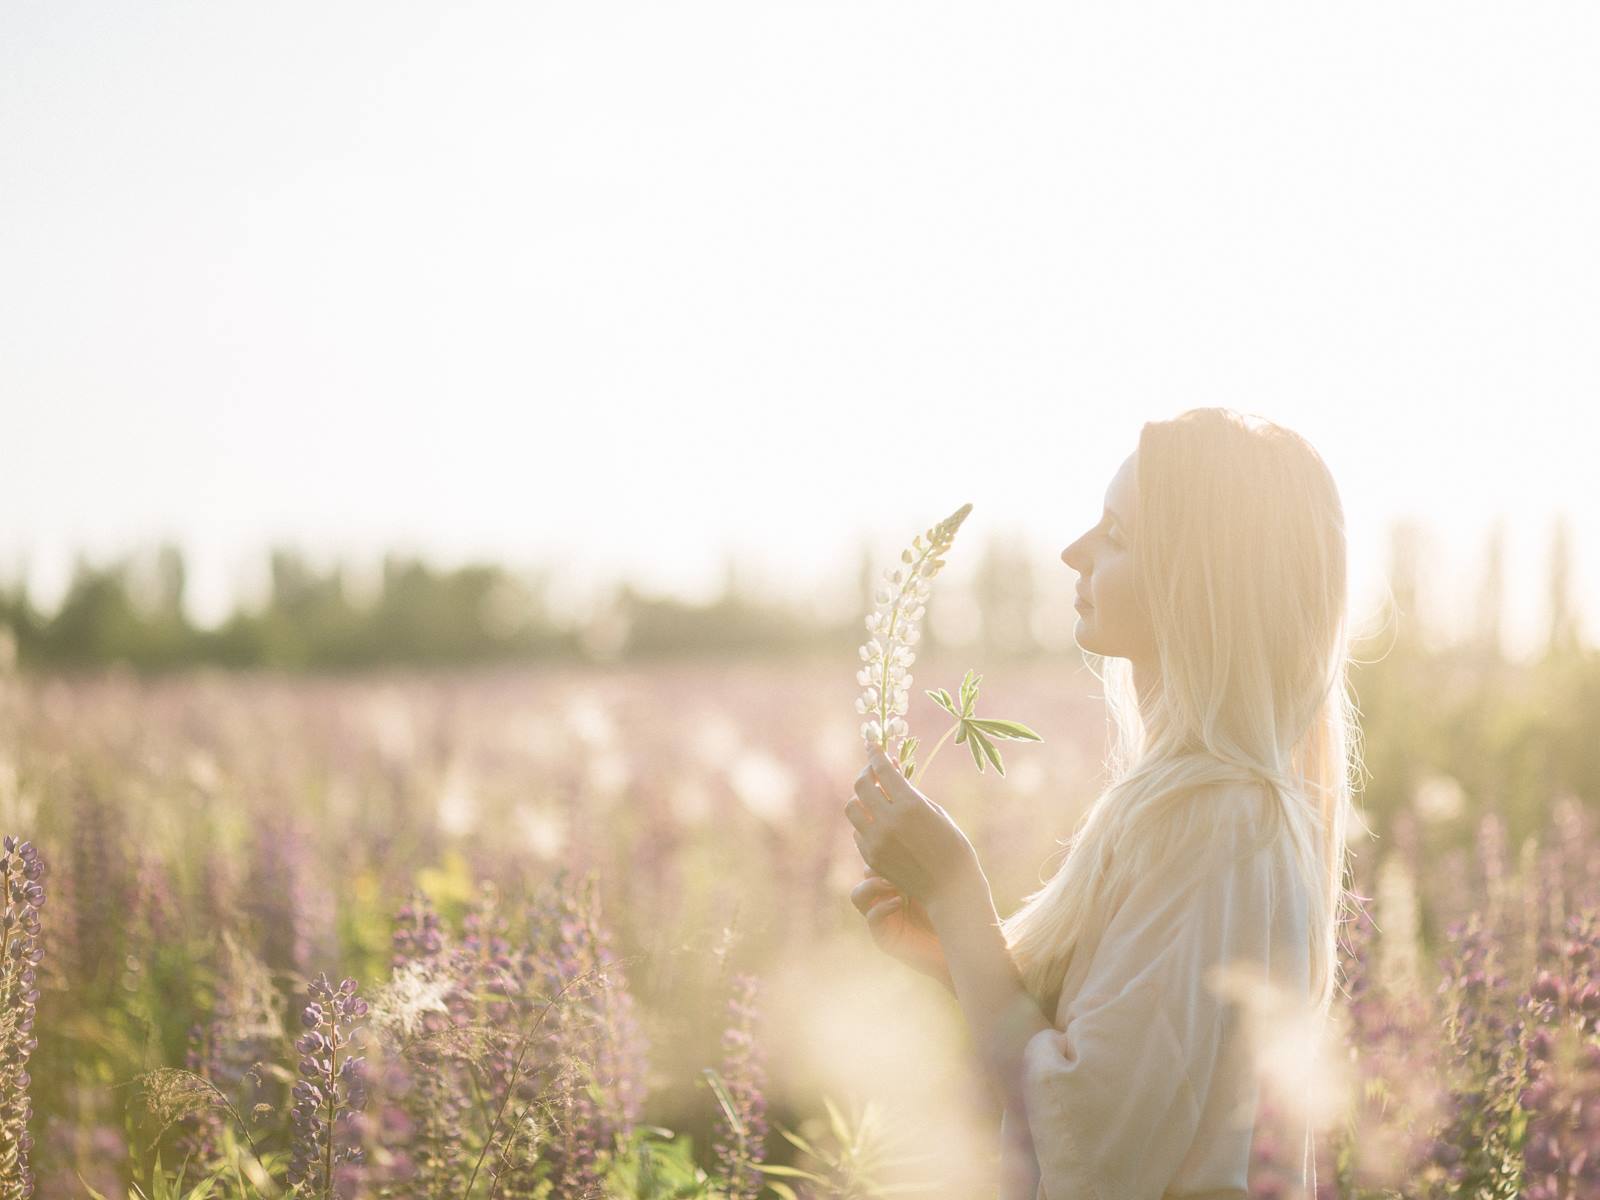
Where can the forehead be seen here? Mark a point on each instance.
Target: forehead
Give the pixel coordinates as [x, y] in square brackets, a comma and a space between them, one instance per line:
[1124, 490]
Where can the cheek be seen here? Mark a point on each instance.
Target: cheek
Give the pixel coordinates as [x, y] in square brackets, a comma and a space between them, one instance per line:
[1114, 588]
[1114, 599]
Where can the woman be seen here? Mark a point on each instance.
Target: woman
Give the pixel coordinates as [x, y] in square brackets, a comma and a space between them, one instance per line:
[1212, 593]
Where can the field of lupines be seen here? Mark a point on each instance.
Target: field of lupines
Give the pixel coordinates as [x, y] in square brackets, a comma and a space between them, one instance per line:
[587, 933]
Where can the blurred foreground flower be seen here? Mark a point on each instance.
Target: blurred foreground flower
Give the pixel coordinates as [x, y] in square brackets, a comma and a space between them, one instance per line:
[19, 958]
[894, 625]
[740, 1133]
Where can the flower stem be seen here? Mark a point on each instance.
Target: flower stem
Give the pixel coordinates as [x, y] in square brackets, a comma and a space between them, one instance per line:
[923, 770]
[333, 1065]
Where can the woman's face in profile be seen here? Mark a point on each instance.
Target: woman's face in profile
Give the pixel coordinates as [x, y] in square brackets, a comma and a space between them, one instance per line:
[1111, 622]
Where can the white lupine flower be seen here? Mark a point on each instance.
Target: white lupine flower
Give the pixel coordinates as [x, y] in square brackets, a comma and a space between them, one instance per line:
[894, 625]
[899, 598]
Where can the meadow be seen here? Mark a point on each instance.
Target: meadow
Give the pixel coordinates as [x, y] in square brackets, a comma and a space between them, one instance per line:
[585, 931]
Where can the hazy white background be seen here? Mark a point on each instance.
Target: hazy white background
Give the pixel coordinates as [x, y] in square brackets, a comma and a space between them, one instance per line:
[634, 285]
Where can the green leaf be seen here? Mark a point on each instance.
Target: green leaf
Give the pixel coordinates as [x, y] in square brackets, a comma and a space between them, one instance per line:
[96, 1195]
[988, 748]
[1014, 730]
[961, 732]
[784, 1191]
[799, 1142]
[841, 1128]
[787, 1172]
[943, 700]
[977, 755]
[969, 692]
[730, 1110]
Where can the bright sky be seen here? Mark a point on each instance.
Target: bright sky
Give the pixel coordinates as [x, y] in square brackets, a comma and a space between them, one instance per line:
[634, 285]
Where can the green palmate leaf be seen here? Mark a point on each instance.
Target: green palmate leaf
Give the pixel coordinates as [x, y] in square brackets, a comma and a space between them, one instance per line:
[969, 692]
[972, 745]
[988, 748]
[783, 1190]
[1013, 730]
[944, 700]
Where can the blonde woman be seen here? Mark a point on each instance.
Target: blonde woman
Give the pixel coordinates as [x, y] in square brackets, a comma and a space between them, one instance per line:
[1211, 593]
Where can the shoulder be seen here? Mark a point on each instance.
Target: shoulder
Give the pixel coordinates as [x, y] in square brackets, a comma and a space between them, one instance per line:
[1234, 820]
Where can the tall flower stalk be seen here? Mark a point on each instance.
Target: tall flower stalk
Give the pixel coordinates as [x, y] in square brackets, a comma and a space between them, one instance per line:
[331, 1088]
[20, 872]
[885, 677]
[739, 1137]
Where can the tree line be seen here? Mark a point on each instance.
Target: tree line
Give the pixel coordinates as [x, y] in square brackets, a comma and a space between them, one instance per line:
[132, 612]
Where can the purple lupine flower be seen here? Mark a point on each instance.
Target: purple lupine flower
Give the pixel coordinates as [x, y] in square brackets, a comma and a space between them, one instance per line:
[621, 1061]
[739, 1144]
[21, 873]
[101, 888]
[589, 1044]
[242, 1032]
[417, 933]
[330, 1091]
[277, 896]
[434, 1105]
[567, 1047]
[79, 1151]
[384, 1131]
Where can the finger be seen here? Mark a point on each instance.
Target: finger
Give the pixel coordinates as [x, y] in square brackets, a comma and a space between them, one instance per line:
[888, 776]
[857, 813]
[869, 891]
[872, 796]
[875, 781]
[884, 908]
[878, 758]
[867, 850]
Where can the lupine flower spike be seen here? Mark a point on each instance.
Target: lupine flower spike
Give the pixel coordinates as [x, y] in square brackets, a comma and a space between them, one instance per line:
[332, 1088]
[894, 626]
[20, 872]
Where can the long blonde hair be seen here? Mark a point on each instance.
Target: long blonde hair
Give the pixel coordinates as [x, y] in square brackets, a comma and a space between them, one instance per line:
[1239, 548]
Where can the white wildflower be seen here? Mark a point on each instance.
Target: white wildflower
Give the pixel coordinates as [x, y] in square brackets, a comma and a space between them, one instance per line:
[893, 627]
[885, 676]
[418, 986]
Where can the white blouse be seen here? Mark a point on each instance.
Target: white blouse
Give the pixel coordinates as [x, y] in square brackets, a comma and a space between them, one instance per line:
[1146, 1086]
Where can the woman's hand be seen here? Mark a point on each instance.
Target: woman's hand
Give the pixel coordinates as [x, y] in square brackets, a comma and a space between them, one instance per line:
[901, 927]
[907, 838]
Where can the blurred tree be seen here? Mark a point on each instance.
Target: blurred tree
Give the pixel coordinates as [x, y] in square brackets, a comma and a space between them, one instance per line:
[1563, 637]
[1490, 620]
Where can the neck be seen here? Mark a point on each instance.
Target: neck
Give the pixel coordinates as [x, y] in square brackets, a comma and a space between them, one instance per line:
[1146, 682]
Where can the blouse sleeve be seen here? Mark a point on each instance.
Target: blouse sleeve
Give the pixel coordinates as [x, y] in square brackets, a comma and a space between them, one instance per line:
[1113, 1098]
